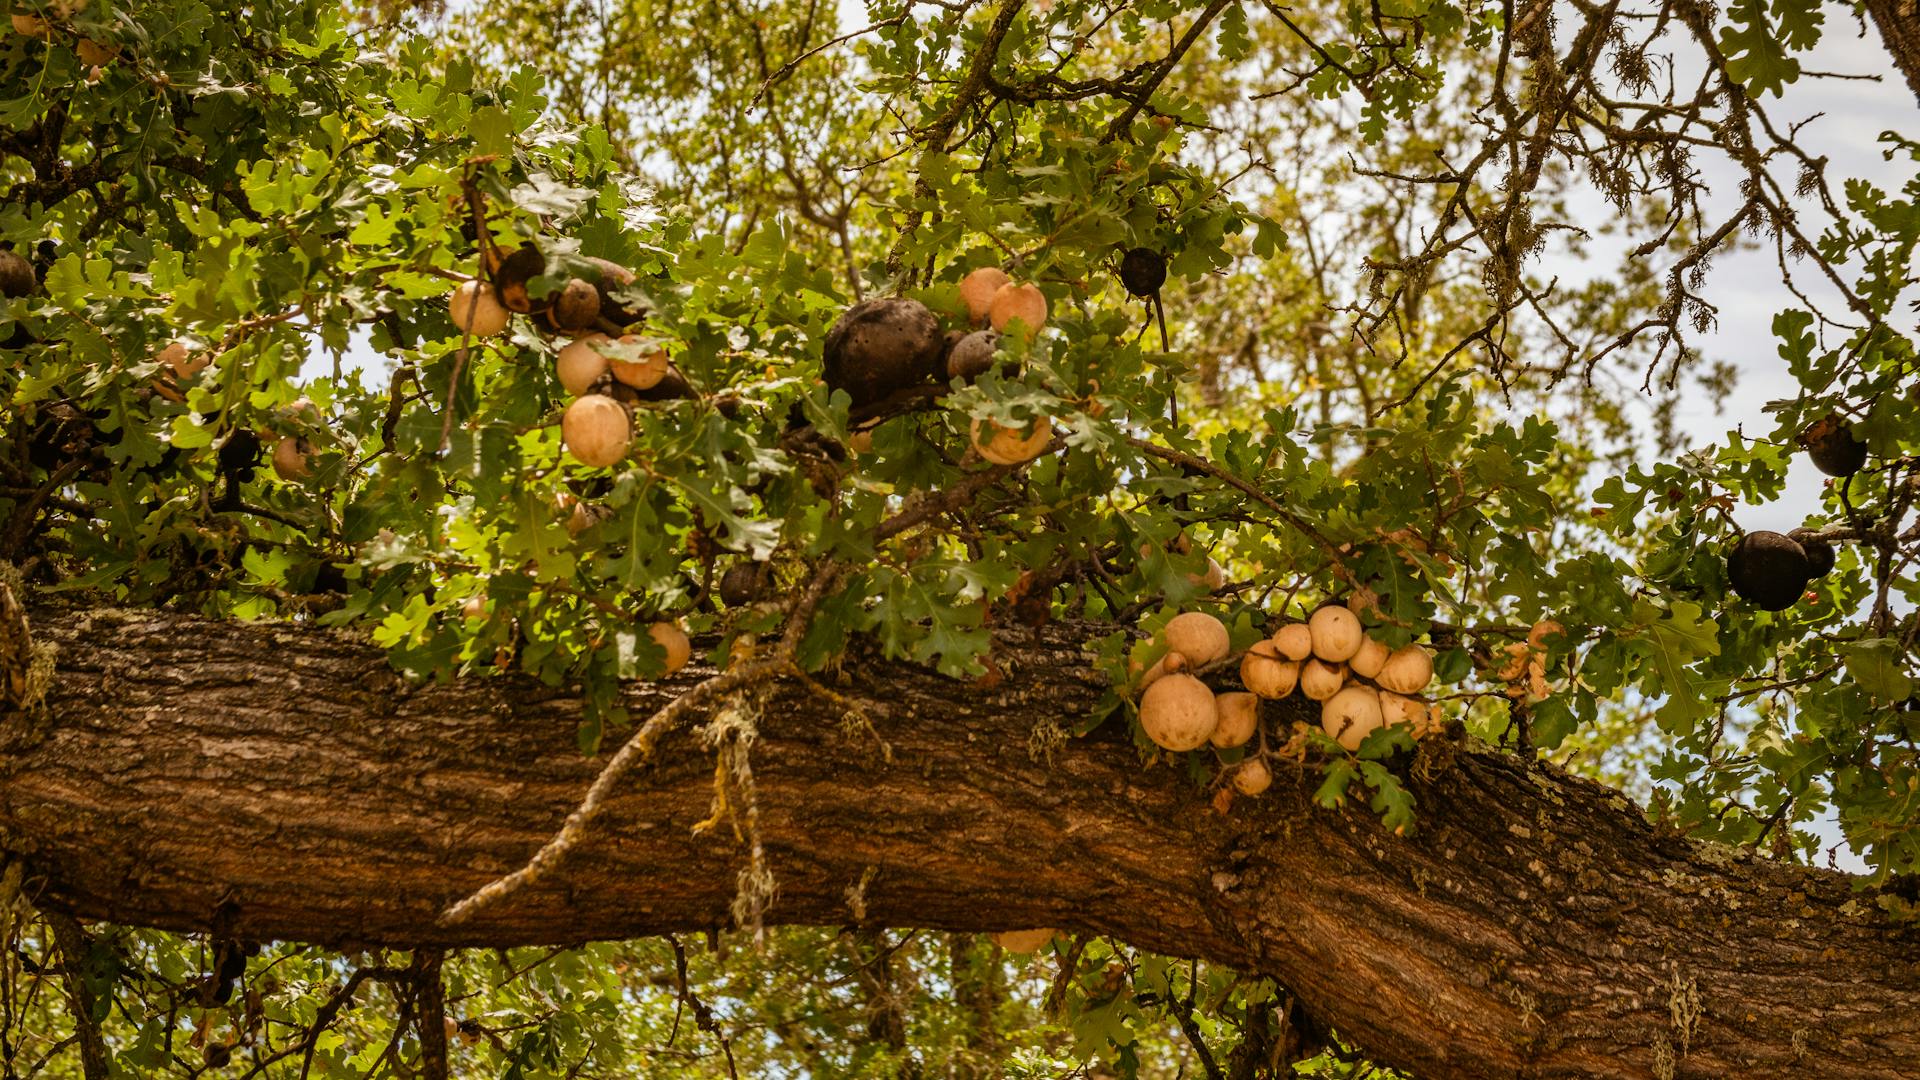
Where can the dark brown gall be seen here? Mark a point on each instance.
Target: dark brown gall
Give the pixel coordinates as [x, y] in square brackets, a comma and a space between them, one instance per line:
[1143, 271]
[881, 347]
[1832, 447]
[511, 278]
[1768, 570]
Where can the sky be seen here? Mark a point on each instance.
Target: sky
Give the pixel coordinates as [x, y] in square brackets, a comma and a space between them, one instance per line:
[1745, 285]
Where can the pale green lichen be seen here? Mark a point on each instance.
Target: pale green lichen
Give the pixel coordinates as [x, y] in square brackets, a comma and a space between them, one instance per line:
[13, 901]
[1046, 738]
[1683, 1005]
[29, 664]
[857, 894]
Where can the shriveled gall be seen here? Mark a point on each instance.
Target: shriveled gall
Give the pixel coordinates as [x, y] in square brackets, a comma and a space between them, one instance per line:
[576, 307]
[744, 583]
[1832, 446]
[1820, 553]
[1177, 713]
[596, 430]
[972, 355]
[16, 276]
[1267, 672]
[977, 290]
[1143, 271]
[1769, 570]
[476, 310]
[608, 279]
[881, 347]
[1336, 634]
[1236, 718]
[512, 275]
[1350, 715]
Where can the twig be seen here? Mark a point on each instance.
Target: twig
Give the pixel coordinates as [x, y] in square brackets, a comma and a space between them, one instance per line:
[1337, 561]
[1482, 334]
[789, 67]
[74, 946]
[702, 1013]
[1125, 120]
[1183, 1012]
[638, 749]
[430, 1018]
[324, 1018]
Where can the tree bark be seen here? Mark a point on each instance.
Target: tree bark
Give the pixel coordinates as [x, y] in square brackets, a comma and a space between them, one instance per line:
[1899, 24]
[280, 782]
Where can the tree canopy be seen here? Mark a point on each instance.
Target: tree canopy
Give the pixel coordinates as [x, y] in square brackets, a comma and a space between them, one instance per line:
[448, 451]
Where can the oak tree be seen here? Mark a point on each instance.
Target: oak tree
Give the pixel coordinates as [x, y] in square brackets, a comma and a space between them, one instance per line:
[623, 539]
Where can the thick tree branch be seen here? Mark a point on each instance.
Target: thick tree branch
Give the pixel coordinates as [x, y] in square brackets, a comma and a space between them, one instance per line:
[283, 781]
[1899, 24]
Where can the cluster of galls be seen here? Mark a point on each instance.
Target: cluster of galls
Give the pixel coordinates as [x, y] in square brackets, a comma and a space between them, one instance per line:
[1359, 682]
[1771, 570]
[607, 372]
[293, 452]
[894, 345]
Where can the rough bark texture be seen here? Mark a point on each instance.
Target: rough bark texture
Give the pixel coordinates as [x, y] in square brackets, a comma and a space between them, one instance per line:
[278, 782]
[1899, 24]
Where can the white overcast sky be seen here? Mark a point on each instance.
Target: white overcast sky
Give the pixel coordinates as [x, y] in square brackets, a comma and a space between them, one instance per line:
[1745, 285]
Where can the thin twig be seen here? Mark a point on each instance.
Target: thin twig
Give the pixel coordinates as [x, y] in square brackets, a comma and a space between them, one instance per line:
[74, 946]
[1337, 560]
[789, 67]
[1124, 121]
[430, 1018]
[638, 749]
